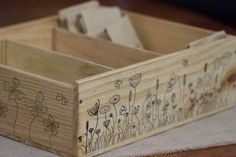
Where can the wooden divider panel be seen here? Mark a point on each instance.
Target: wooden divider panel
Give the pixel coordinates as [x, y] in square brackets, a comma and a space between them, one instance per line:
[128, 104]
[37, 111]
[48, 63]
[37, 32]
[98, 50]
[164, 36]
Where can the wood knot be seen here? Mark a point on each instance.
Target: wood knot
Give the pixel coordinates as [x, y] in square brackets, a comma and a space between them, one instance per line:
[232, 78]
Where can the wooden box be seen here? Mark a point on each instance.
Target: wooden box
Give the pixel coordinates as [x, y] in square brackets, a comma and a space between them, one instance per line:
[108, 95]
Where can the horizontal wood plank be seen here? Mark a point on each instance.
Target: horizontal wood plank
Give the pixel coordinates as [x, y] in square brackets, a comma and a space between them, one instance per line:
[131, 103]
[37, 111]
[48, 63]
[98, 50]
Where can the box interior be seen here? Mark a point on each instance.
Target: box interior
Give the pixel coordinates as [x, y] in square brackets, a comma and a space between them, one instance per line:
[159, 37]
[47, 63]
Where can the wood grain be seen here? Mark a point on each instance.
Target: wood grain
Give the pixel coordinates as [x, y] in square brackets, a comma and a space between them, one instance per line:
[164, 36]
[32, 113]
[27, 10]
[48, 63]
[37, 32]
[98, 50]
[203, 70]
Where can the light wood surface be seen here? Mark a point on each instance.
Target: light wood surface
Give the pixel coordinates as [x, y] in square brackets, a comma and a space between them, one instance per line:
[164, 36]
[37, 32]
[147, 98]
[208, 39]
[32, 113]
[98, 50]
[48, 63]
[174, 83]
[14, 12]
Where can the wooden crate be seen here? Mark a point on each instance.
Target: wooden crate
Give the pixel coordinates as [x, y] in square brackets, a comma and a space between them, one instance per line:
[108, 95]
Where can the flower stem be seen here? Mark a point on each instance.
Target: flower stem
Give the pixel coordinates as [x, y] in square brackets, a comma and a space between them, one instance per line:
[50, 140]
[14, 125]
[31, 126]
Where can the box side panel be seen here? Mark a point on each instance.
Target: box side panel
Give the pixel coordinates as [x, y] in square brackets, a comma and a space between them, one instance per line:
[164, 36]
[38, 32]
[98, 51]
[1, 52]
[49, 64]
[132, 103]
[36, 112]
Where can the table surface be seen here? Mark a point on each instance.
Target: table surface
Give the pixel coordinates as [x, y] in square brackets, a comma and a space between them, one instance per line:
[15, 11]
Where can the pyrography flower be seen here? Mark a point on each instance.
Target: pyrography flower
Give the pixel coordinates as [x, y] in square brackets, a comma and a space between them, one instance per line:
[135, 80]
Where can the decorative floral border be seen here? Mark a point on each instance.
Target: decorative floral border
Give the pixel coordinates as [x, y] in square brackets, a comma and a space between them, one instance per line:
[36, 105]
[183, 99]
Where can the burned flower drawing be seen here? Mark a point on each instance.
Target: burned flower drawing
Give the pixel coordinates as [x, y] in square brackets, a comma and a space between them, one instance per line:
[62, 99]
[135, 80]
[51, 127]
[118, 83]
[93, 111]
[3, 109]
[38, 108]
[115, 99]
[14, 95]
[12, 87]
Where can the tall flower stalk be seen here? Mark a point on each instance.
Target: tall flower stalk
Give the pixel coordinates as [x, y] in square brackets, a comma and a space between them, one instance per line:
[38, 108]
[104, 110]
[93, 111]
[14, 95]
[134, 82]
[3, 109]
[51, 127]
[114, 100]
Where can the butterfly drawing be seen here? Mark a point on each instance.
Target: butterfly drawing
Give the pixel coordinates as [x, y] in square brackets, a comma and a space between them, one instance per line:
[12, 87]
[38, 108]
[62, 99]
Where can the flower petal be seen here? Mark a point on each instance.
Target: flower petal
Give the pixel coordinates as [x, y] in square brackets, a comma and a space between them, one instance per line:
[34, 112]
[48, 129]
[7, 86]
[46, 123]
[19, 95]
[29, 102]
[12, 95]
[43, 109]
[15, 83]
[39, 97]
[64, 101]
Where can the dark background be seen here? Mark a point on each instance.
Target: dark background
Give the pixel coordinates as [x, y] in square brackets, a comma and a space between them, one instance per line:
[210, 14]
[224, 10]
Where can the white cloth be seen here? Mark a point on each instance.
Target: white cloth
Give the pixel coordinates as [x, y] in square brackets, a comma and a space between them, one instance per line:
[216, 130]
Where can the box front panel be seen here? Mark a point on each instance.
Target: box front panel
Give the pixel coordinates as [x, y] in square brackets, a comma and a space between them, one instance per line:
[36, 111]
[129, 104]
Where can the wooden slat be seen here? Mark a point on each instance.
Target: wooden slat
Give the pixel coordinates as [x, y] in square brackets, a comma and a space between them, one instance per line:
[37, 111]
[164, 36]
[98, 50]
[48, 63]
[166, 92]
[37, 32]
